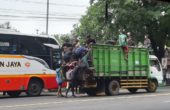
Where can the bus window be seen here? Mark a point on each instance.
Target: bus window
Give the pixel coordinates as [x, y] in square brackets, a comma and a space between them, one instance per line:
[8, 45]
[4, 47]
[57, 57]
[31, 47]
[47, 40]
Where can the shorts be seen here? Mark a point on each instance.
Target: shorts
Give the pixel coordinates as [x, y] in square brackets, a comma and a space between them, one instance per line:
[125, 48]
[60, 84]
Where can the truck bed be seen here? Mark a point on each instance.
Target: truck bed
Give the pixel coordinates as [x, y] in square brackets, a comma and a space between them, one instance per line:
[109, 61]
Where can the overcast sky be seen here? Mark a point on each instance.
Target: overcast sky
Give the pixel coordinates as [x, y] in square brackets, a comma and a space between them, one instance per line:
[29, 15]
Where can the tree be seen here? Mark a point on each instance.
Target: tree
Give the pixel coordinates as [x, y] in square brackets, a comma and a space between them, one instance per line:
[140, 17]
[5, 25]
[61, 38]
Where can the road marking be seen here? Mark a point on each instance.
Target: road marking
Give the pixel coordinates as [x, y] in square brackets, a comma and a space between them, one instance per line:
[86, 100]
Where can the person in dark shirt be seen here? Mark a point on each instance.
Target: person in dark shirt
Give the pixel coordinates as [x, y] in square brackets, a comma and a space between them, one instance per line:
[66, 55]
[67, 51]
[80, 52]
[130, 39]
[67, 45]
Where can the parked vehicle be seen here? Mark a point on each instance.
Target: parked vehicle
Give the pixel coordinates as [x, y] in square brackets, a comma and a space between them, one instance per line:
[41, 46]
[20, 73]
[110, 71]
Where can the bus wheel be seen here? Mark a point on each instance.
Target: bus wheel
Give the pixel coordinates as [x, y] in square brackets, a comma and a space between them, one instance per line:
[113, 88]
[34, 88]
[132, 90]
[152, 86]
[14, 93]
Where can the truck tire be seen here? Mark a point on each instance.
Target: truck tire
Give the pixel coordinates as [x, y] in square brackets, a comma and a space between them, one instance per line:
[132, 90]
[113, 88]
[14, 93]
[152, 86]
[34, 88]
[91, 91]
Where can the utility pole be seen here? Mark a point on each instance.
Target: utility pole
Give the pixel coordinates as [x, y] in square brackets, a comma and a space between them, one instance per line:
[106, 20]
[106, 11]
[47, 17]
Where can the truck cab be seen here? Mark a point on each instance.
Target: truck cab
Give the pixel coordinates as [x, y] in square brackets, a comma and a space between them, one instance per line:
[156, 69]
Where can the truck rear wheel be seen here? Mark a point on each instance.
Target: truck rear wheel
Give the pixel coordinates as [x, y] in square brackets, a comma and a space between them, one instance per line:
[14, 93]
[132, 90]
[34, 88]
[152, 86]
[113, 88]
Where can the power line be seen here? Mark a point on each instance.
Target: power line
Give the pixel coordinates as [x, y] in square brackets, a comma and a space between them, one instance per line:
[39, 17]
[44, 3]
[26, 15]
[19, 19]
[37, 12]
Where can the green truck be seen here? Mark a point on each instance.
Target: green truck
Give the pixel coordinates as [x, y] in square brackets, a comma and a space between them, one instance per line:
[110, 71]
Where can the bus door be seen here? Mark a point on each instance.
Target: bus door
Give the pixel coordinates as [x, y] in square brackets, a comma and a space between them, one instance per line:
[55, 55]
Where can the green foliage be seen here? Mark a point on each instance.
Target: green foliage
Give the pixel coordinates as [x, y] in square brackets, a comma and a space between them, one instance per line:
[61, 38]
[139, 17]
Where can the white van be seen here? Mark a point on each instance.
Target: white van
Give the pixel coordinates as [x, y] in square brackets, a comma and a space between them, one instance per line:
[156, 69]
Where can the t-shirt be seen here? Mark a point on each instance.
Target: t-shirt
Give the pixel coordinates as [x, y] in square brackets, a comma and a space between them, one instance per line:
[122, 40]
[80, 50]
[147, 43]
[67, 56]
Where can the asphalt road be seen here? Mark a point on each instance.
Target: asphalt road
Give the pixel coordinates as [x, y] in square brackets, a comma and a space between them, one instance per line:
[125, 101]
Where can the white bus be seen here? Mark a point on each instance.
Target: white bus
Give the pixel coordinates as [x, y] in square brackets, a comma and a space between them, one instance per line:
[41, 46]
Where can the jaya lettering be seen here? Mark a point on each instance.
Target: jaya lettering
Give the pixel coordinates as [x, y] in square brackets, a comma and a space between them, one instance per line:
[10, 64]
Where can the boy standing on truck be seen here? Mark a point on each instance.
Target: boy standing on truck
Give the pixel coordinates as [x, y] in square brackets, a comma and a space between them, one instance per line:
[147, 42]
[123, 43]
